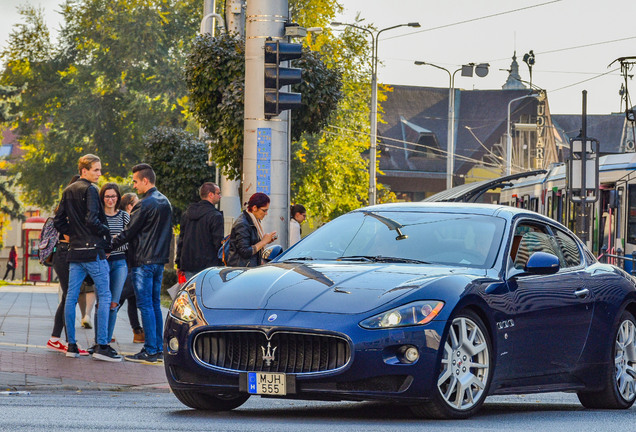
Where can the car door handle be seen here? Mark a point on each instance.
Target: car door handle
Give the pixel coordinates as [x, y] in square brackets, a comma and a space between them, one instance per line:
[582, 293]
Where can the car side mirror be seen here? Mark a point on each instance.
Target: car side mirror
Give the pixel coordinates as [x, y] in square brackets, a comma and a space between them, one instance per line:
[271, 252]
[542, 263]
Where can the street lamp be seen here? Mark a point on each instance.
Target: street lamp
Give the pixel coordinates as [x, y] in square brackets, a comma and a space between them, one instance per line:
[467, 70]
[374, 98]
[509, 136]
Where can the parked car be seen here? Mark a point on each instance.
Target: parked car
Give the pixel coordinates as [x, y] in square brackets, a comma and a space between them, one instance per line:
[435, 306]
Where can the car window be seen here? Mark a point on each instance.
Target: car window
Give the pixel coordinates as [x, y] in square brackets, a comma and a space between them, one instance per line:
[438, 238]
[569, 249]
[527, 240]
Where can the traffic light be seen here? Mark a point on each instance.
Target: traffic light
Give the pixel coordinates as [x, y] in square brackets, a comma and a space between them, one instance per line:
[276, 76]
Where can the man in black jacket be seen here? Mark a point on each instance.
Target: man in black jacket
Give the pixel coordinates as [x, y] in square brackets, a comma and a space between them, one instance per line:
[81, 216]
[148, 234]
[201, 233]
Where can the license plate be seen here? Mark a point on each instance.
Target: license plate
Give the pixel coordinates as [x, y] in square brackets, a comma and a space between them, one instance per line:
[266, 383]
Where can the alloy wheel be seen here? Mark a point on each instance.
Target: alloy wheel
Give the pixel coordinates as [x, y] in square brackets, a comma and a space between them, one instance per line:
[625, 360]
[465, 365]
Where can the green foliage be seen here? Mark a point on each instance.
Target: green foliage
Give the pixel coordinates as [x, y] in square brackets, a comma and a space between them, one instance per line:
[321, 92]
[179, 160]
[215, 73]
[9, 98]
[113, 75]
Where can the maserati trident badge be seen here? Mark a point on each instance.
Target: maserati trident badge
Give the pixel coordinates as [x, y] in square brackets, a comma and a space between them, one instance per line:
[268, 355]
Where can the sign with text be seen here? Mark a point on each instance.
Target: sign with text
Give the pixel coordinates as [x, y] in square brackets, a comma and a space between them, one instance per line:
[263, 160]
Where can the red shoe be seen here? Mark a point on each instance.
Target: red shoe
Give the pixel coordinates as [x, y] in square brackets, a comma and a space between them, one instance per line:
[82, 352]
[57, 345]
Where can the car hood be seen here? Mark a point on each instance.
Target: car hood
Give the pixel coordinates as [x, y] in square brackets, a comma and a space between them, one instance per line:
[320, 287]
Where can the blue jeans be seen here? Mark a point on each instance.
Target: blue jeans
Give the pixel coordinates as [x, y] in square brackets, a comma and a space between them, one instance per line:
[147, 283]
[99, 272]
[118, 270]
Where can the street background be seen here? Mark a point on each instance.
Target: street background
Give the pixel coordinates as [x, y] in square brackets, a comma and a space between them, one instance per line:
[26, 322]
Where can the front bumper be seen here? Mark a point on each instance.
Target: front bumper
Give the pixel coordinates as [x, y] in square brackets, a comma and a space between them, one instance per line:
[374, 370]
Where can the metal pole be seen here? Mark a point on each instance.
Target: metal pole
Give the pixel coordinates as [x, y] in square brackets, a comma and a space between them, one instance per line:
[583, 204]
[374, 117]
[265, 18]
[450, 161]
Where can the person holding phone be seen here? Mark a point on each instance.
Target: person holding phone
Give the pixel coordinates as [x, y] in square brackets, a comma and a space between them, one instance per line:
[248, 238]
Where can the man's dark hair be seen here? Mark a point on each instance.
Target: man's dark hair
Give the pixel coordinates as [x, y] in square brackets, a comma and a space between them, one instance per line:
[145, 172]
[207, 188]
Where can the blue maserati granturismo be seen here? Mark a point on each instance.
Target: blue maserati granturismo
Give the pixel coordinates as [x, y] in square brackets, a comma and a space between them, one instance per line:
[435, 306]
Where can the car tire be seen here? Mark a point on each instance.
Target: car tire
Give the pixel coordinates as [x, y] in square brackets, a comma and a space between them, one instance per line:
[466, 358]
[620, 373]
[210, 402]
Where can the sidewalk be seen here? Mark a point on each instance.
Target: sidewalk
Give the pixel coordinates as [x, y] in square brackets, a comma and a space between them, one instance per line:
[26, 322]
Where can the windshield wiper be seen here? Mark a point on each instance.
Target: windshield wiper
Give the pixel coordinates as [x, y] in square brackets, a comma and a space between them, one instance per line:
[303, 258]
[399, 260]
[364, 258]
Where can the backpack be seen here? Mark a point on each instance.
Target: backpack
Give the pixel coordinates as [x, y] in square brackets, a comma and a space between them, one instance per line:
[48, 240]
[224, 250]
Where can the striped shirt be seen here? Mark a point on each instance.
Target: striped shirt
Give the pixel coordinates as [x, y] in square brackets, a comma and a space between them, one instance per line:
[116, 224]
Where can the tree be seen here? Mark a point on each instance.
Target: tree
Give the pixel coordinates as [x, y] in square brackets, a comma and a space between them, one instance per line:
[215, 74]
[113, 75]
[9, 98]
[329, 142]
[179, 160]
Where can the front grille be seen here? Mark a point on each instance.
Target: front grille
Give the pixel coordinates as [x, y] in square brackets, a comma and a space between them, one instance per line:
[292, 352]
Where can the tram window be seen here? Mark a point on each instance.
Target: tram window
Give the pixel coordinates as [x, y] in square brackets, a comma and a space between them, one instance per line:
[631, 215]
[526, 202]
[569, 249]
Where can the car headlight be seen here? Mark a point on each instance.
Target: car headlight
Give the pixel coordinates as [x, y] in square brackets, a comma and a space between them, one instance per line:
[416, 313]
[182, 308]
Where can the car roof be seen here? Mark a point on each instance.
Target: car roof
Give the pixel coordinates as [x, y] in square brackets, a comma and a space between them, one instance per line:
[449, 207]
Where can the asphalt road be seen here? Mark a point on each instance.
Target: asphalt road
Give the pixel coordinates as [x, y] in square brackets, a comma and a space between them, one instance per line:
[127, 411]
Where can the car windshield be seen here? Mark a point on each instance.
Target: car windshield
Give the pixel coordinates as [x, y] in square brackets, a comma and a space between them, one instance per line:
[409, 237]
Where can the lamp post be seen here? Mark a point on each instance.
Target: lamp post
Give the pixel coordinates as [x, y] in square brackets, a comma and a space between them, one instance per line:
[467, 70]
[374, 98]
[509, 136]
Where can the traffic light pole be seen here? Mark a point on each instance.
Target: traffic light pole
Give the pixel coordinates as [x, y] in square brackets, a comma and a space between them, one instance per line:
[265, 148]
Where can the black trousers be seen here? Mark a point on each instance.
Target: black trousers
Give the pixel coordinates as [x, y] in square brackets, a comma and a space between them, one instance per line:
[60, 265]
[9, 269]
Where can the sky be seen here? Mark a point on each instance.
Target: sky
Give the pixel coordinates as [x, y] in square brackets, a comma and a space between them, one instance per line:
[573, 41]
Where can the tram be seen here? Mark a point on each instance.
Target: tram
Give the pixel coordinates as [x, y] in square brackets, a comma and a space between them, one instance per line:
[612, 218]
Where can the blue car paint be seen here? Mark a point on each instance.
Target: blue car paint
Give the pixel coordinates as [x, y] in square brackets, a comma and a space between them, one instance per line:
[543, 320]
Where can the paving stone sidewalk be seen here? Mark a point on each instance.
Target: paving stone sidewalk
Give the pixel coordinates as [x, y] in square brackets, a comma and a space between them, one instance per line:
[26, 322]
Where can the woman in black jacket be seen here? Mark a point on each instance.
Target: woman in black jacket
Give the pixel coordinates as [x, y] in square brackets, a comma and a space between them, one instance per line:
[248, 239]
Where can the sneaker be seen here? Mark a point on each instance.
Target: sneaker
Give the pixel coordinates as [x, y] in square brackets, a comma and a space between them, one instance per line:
[106, 353]
[160, 357]
[82, 352]
[139, 336]
[72, 350]
[57, 345]
[142, 357]
[86, 323]
[91, 350]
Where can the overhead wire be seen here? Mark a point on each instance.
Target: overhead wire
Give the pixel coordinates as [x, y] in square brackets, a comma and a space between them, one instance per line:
[474, 19]
[457, 155]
